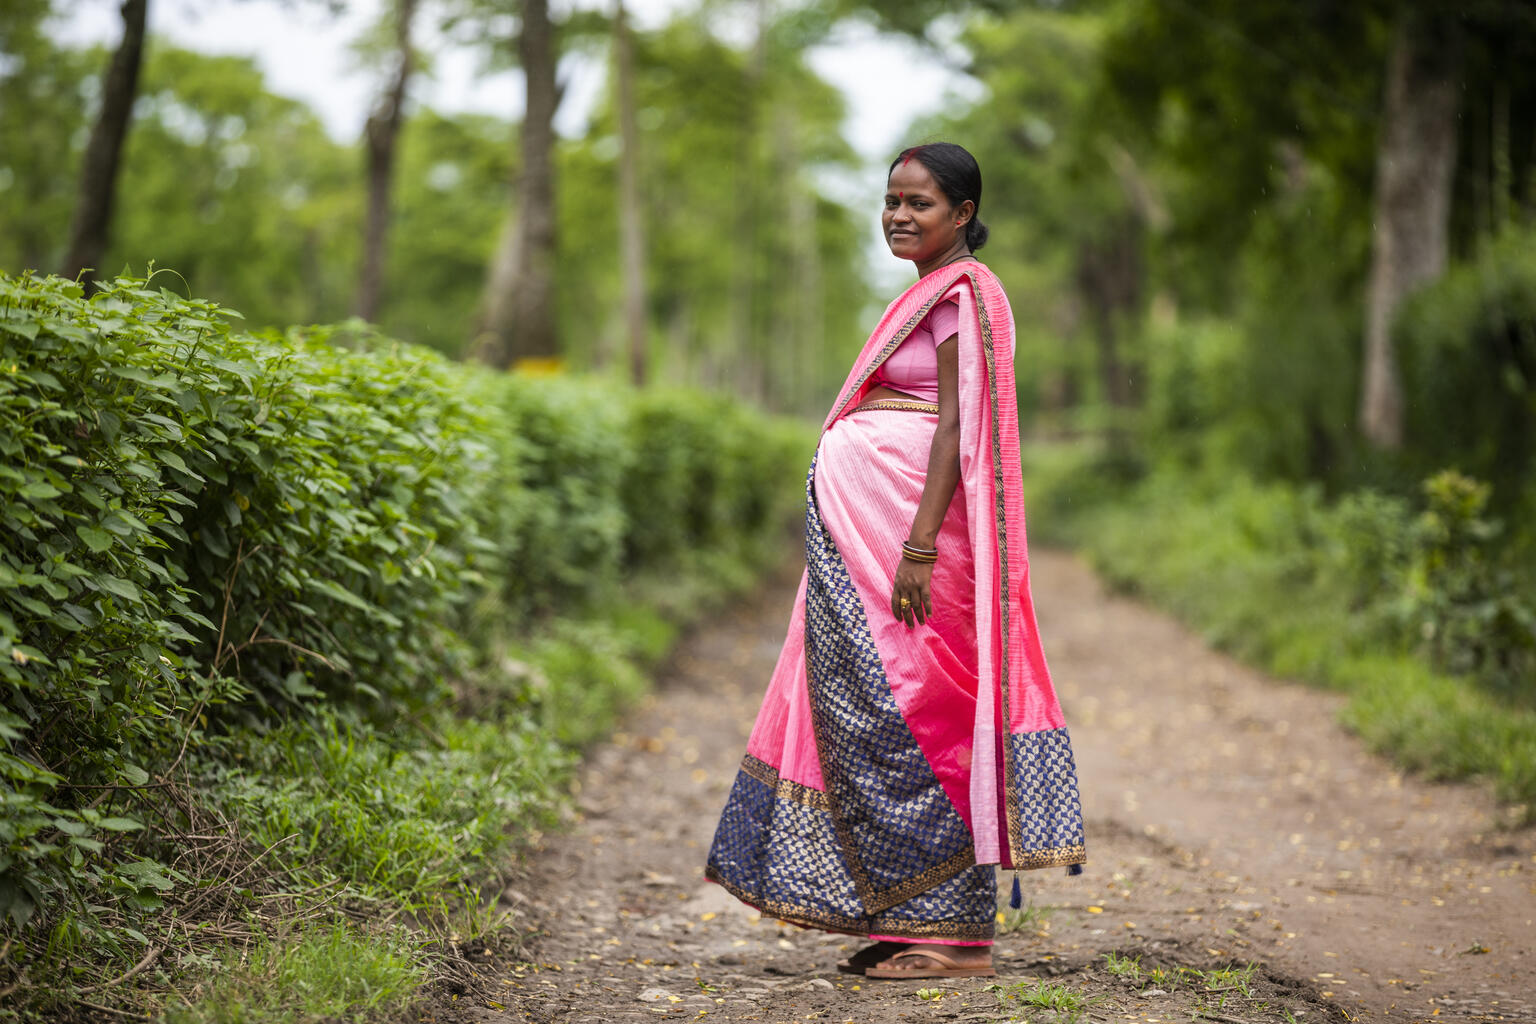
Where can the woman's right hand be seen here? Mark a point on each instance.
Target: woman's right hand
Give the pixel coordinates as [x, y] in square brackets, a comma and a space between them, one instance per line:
[913, 580]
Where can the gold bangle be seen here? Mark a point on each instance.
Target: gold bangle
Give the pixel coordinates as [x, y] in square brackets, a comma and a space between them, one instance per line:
[917, 554]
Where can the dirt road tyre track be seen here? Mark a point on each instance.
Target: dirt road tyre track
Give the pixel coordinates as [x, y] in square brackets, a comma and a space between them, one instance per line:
[1231, 822]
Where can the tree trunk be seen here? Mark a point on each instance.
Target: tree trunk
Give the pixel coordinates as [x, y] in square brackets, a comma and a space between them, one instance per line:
[381, 135]
[1414, 162]
[750, 371]
[1109, 279]
[519, 318]
[98, 172]
[631, 236]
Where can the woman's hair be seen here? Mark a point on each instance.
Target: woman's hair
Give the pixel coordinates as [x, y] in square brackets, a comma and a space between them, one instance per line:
[959, 179]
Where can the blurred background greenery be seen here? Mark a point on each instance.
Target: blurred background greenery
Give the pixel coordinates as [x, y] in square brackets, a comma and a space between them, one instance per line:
[1273, 270]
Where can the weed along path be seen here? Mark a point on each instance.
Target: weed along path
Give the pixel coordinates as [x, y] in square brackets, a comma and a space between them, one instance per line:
[1248, 862]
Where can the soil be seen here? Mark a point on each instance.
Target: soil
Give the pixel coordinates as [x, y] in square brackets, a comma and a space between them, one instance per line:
[1232, 825]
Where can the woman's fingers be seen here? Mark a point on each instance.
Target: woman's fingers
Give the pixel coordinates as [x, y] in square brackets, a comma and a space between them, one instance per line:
[919, 598]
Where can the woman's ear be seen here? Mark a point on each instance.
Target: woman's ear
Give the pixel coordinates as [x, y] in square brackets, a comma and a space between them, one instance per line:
[964, 213]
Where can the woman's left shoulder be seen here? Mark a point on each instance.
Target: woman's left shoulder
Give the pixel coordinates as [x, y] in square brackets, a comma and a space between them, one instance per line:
[977, 274]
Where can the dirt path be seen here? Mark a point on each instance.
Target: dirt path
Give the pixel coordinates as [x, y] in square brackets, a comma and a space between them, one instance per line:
[1230, 823]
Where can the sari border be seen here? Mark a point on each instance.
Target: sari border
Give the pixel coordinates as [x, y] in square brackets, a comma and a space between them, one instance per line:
[806, 917]
[794, 792]
[874, 900]
[1053, 857]
[1010, 787]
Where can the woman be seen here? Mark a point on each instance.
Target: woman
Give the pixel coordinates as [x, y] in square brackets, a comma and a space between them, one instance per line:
[911, 739]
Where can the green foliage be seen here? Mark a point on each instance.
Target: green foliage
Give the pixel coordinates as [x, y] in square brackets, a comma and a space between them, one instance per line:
[38, 152]
[1364, 595]
[239, 189]
[242, 190]
[449, 203]
[234, 565]
[319, 976]
[406, 815]
[753, 277]
[1469, 362]
[1464, 600]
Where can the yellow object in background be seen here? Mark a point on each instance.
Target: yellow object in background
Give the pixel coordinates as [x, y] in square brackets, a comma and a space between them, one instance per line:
[540, 366]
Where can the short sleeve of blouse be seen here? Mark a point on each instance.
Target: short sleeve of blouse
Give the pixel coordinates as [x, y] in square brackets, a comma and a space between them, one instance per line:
[944, 319]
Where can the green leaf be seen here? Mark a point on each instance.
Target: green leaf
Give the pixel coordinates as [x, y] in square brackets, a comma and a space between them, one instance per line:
[119, 825]
[147, 872]
[97, 540]
[119, 587]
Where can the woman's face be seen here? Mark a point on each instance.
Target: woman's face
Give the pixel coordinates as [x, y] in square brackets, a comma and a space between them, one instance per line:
[919, 222]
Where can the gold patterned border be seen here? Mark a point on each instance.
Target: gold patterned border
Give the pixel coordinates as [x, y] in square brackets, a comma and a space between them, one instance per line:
[807, 917]
[794, 792]
[1057, 857]
[897, 405]
[1000, 513]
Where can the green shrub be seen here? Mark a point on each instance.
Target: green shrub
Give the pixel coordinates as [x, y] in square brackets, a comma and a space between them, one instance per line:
[234, 565]
[1468, 345]
[1417, 614]
[1462, 598]
[551, 504]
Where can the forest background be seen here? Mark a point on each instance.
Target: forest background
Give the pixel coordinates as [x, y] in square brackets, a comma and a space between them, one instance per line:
[1273, 266]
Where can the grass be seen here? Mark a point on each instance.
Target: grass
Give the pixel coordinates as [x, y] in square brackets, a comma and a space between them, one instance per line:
[1067, 1005]
[1264, 572]
[329, 975]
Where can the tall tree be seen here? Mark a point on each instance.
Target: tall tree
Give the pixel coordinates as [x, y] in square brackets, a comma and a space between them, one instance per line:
[1417, 153]
[750, 375]
[381, 135]
[99, 172]
[631, 227]
[519, 305]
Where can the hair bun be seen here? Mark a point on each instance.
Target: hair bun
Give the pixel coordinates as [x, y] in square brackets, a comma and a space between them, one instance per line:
[976, 234]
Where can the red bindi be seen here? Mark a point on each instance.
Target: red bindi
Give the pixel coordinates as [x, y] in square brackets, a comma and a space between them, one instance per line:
[901, 195]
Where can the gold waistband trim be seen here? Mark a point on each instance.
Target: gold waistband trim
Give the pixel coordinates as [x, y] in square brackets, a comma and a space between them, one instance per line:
[896, 405]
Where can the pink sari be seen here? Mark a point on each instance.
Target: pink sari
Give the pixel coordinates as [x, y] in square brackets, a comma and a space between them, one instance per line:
[890, 768]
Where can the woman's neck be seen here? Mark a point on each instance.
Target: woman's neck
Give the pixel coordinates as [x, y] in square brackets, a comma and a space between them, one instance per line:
[959, 251]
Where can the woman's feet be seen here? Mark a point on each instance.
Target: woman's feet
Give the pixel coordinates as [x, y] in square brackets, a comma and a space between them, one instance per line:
[931, 960]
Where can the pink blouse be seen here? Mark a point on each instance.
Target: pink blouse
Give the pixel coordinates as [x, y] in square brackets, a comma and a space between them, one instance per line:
[913, 368]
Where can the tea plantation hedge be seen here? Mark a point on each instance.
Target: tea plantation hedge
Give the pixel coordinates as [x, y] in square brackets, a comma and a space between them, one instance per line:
[206, 533]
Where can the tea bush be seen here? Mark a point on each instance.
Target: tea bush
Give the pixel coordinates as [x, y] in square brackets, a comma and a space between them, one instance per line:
[1409, 607]
[229, 559]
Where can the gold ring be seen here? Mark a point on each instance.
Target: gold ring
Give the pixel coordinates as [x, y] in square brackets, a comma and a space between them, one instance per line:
[905, 604]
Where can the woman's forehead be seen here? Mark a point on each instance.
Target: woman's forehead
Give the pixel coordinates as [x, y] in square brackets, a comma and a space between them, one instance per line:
[911, 176]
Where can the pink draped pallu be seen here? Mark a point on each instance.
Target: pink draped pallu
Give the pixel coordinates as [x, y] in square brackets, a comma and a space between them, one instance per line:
[890, 768]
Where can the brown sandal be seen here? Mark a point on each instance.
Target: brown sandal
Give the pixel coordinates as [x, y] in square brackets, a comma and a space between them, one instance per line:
[947, 968]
